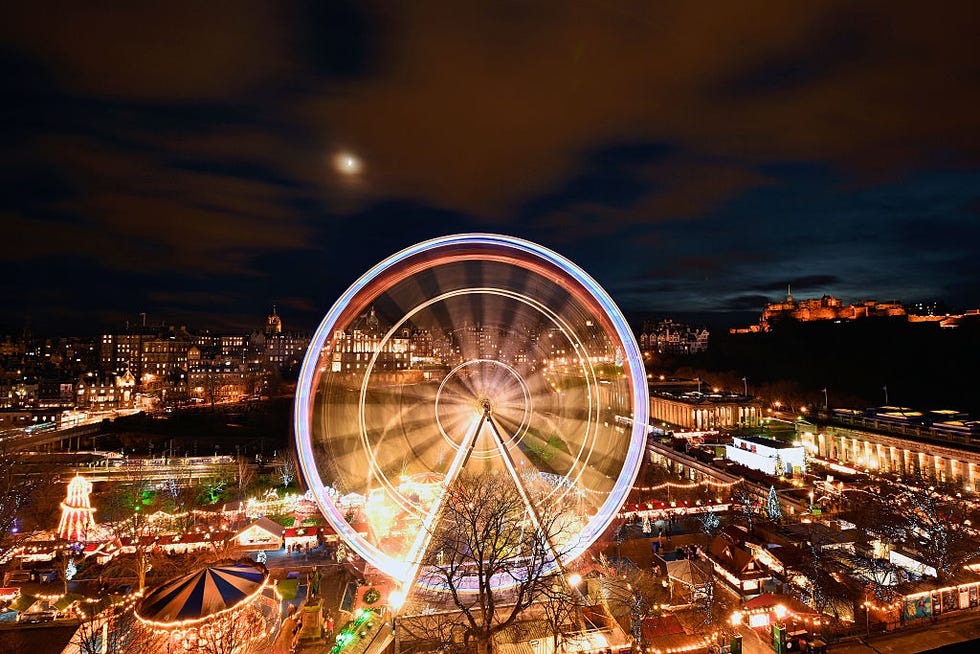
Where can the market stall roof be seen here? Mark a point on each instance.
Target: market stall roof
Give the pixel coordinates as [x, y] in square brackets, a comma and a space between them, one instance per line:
[768, 600]
[201, 594]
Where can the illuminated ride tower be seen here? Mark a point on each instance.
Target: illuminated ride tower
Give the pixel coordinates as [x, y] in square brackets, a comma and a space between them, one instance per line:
[461, 354]
[77, 514]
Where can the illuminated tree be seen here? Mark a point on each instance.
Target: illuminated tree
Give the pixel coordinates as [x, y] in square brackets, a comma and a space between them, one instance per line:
[286, 471]
[106, 628]
[773, 510]
[710, 524]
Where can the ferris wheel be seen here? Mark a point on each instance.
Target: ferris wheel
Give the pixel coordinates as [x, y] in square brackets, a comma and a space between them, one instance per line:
[466, 353]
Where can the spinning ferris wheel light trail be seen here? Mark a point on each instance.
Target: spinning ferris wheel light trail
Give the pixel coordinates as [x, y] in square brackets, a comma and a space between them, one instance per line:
[474, 352]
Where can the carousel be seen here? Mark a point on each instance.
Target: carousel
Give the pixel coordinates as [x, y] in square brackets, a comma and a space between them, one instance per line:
[227, 606]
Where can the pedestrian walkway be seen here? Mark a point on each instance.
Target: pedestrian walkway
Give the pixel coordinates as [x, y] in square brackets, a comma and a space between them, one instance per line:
[753, 642]
[918, 639]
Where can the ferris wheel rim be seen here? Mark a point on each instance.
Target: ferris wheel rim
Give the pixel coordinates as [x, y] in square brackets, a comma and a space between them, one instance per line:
[608, 309]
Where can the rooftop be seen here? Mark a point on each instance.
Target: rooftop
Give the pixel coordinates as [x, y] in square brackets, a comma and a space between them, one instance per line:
[767, 442]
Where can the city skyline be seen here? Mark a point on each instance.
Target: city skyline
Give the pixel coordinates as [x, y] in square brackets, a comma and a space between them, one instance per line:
[692, 159]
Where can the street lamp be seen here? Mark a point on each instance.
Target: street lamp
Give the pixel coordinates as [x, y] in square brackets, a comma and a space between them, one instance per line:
[736, 643]
[736, 619]
[779, 629]
[396, 599]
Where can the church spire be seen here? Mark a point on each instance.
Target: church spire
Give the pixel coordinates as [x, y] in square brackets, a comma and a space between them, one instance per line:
[789, 295]
[273, 324]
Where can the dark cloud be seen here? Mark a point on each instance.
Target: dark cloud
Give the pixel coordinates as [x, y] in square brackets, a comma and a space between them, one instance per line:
[812, 283]
[689, 156]
[745, 303]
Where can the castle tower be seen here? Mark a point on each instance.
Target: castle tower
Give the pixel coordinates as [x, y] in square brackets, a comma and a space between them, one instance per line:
[77, 515]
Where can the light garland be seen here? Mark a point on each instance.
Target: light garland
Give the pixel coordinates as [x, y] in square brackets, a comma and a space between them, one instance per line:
[180, 624]
[693, 484]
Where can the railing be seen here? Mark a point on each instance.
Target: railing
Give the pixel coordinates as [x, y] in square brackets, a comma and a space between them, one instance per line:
[887, 428]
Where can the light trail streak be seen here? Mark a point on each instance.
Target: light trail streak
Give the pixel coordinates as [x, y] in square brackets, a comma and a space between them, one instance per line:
[582, 291]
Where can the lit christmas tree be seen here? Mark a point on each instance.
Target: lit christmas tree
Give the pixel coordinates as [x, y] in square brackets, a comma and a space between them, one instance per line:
[773, 511]
[77, 520]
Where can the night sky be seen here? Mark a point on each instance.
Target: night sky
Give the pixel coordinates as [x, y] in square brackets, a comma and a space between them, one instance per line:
[183, 161]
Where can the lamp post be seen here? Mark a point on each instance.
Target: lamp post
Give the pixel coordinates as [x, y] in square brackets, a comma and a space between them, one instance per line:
[736, 644]
[779, 630]
[396, 599]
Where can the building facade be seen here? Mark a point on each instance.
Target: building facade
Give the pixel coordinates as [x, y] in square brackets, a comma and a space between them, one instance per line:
[704, 411]
[869, 444]
[669, 337]
[767, 455]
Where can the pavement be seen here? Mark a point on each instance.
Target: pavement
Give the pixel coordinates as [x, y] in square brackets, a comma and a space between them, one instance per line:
[754, 642]
[949, 631]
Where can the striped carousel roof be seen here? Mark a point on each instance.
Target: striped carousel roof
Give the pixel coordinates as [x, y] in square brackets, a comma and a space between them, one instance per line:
[201, 594]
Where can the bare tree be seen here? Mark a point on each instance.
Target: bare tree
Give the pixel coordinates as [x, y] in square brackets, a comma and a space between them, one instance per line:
[746, 505]
[923, 514]
[428, 632]
[244, 476]
[562, 607]
[237, 634]
[822, 591]
[632, 593]
[110, 630]
[488, 535]
[16, 491]
[128, 516]
[711, 604]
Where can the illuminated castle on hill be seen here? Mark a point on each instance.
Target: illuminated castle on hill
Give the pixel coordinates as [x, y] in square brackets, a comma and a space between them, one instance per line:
[77, 515]
[824, 308]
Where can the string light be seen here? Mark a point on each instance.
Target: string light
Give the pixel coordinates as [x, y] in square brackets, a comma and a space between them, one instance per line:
[687, 486]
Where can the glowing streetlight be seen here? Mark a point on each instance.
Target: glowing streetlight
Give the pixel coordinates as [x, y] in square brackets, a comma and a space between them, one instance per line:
[736, 618]
[395, 599]
[780, 612]
[574, 579]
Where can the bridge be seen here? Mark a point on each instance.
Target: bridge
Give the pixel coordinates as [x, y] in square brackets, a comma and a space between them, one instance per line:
[25, 439]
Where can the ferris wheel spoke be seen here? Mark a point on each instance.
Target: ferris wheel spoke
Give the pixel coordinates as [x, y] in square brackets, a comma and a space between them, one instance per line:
[532, 509]
[420, 546]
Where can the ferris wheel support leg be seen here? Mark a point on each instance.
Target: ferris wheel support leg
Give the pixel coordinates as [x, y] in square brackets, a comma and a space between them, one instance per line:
[532, 511]
[421, 544]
